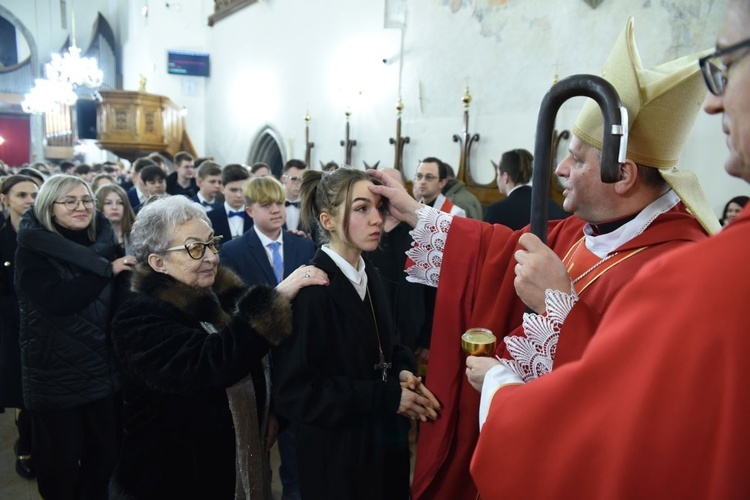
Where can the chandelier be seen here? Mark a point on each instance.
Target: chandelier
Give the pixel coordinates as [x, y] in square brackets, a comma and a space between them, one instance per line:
[73, 69]
[63, 74]
[47, 96]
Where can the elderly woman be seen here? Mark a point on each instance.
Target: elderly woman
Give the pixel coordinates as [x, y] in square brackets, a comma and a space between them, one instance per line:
[66, 264]
[189, 332]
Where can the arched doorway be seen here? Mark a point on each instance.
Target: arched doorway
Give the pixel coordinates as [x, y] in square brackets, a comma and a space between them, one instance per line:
[267, 149]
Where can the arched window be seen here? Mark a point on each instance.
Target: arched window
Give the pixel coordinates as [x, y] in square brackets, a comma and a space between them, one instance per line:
[267, 149]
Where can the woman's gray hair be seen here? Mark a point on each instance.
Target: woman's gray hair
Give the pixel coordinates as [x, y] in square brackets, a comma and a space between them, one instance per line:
[55, 187]
[156, 222]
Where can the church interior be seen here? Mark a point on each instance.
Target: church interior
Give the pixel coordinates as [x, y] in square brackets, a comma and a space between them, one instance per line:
[378, 83]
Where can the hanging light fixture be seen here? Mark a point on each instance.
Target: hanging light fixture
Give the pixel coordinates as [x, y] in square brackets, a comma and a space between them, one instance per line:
[63, 74]
[48, 96]
[73, 69]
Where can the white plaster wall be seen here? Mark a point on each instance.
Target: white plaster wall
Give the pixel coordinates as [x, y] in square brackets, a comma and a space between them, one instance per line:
[173, 25]
[278, 59]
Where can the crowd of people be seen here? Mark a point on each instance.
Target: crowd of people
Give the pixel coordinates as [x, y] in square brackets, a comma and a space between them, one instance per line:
[164, 327]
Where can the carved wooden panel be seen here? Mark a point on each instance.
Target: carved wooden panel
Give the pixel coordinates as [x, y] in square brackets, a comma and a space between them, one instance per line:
[132, 124]
[224, 8]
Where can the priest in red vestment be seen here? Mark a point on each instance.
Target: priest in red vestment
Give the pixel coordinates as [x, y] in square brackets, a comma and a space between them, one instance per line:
[657, 406]
[617, 228]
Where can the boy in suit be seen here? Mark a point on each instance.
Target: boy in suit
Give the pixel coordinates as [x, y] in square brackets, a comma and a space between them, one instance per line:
[137, 192]
[209, 185]
[230, 219]
[267, 254]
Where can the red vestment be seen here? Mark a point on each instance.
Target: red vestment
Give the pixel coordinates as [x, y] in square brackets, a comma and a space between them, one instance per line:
[657, 406]
[476, 290]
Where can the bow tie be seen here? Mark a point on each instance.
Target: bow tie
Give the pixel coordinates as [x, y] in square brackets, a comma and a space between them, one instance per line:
[232, 213]
[205, 203]
[295, 204]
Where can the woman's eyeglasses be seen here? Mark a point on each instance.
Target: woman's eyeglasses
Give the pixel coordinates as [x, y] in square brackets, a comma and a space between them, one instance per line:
[197, 249]
[72, 203]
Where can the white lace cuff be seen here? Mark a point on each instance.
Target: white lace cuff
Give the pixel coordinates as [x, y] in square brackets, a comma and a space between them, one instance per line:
[429, 237]
[534, 353]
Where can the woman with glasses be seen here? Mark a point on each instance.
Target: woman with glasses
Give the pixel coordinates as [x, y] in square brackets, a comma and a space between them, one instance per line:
[67, 270]
[191, 341]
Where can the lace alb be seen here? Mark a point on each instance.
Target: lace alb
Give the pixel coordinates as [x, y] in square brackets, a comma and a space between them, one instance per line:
[534, 354]
[429, 243]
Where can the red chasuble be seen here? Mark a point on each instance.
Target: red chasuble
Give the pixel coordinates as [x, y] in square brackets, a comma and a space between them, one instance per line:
[476, 290]
[657, 407]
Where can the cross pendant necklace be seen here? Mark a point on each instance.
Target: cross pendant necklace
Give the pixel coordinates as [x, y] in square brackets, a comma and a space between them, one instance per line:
[381, 365]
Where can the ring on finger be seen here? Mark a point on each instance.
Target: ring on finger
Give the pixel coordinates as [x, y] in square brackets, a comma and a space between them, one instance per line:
[307, 274]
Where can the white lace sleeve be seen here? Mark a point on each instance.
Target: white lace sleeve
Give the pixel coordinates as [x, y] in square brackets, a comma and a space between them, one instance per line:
[429, 242]
[534, 354]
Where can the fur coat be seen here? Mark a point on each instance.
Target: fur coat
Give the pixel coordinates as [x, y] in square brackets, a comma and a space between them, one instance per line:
[179, 349]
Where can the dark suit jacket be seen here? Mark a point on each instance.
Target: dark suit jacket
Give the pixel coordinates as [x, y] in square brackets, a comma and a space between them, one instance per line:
[220, 222]
[133, 199]
[515, 210]
[247, 257]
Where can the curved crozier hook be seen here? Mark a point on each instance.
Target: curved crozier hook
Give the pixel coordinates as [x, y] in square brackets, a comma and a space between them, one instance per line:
[614, 137]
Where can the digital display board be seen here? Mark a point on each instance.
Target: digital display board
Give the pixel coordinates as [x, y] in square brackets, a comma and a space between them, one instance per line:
[187, 63]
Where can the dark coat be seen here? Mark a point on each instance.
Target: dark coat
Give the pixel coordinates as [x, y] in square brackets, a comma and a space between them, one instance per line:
[412, 304]
[515, 210]
[220, 222]
[351, 444]
[247, 257]
[179, 439]
[173, 188]
[11, 393]
[66, 297]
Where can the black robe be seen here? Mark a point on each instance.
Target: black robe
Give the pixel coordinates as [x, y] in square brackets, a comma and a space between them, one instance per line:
[11, 393]
[350, 442]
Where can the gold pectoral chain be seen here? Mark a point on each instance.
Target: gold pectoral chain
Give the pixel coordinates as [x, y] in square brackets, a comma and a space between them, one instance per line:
[381, 365]
[586, 272]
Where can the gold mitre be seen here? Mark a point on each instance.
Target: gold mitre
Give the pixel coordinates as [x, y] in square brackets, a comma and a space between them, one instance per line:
[662, 103]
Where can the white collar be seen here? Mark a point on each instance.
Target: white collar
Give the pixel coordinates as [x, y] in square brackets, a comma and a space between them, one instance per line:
[603, 244]
[228, 209]
[357, 276]
[201, 199]
[265, 240]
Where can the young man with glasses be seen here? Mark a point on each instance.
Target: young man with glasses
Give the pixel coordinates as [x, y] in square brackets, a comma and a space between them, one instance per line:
[291, 178]
[431, 178]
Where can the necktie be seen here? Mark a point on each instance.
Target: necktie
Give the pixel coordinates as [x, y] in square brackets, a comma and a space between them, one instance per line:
[232, 213]
[278, 264]
[291, 203]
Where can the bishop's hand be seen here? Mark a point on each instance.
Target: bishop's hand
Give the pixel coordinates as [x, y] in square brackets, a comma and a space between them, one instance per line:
[538, 269]
[401, 205]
